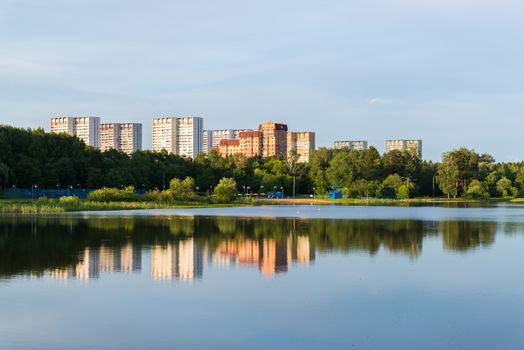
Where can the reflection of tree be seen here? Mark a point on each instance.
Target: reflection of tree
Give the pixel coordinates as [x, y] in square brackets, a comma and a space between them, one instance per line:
[465, 235]
[34, 245]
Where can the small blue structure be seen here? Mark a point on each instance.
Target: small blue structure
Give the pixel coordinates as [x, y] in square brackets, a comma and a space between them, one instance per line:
[274, 195]
[335, 192]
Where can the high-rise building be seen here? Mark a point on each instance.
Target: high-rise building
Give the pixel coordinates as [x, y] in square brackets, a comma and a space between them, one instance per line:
[109, 136]
[274, 139]
[182, 136]
[356, 145]
[86, 129]
[414, 146]
[189, 136]
[165, 135]
[303, 143]
[130, 137]
[122, 137]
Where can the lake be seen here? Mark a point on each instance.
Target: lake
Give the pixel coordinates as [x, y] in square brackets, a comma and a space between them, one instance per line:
[275, 277]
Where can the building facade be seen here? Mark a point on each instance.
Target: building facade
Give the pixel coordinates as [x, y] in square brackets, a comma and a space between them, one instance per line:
[181, 136]
[250, 143]
[303, 143]
[86, 129]
[130, 137]
[229, 147]
[414, 146]
[274, 139]
[211, 138]
[356, 145]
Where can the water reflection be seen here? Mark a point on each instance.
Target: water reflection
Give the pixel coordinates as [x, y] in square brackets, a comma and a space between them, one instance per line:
[181, 248]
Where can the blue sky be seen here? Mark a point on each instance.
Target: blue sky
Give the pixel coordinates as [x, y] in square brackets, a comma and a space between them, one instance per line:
[450, 72]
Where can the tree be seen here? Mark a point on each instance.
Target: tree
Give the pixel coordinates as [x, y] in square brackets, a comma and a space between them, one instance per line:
[226, 190]
[477, 190]
[390, 185]
[504, 187]
[183, 189]
[294, 168]
[458, 168]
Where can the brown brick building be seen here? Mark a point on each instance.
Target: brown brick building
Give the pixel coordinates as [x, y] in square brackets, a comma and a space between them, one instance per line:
[274, 139]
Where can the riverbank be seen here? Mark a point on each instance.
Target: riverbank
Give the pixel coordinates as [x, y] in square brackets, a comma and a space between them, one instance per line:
[50, 206]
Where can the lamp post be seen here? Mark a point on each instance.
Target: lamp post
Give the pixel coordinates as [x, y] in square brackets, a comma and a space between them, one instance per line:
[261, 190]
[248, 189]
[314, 192]
[282, 189]
[244, 187]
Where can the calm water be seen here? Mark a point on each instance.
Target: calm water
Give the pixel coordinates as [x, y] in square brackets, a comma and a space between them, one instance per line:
[303, 277]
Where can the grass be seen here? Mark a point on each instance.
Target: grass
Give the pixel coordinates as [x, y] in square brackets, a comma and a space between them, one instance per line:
[54, 206]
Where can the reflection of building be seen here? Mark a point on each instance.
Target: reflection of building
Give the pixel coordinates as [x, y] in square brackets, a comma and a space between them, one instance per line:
[182, 260]
[269, 255]
[356, 145]
[414, 146]
[89, 265]
[93, 261]
[300, 250]
[131, 258]
[109, 259]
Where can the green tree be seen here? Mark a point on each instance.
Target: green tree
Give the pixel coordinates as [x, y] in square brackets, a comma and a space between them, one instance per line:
[390, 185]
[457, 169]
[226, 190]
[504, 187]
[477, 190]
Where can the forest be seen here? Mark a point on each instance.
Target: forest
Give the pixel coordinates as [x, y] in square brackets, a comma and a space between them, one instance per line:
[33, 157]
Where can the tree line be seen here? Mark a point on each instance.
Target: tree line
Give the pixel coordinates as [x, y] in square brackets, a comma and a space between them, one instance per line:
[33, 157]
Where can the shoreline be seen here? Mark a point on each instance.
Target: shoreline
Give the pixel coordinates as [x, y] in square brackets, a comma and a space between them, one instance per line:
[25, 207]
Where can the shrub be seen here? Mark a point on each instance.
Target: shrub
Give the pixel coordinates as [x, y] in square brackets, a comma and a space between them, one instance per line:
[69, 200]
[183, 189]
[226, 190]
[158, 196]
[42, 201]
[114, 195]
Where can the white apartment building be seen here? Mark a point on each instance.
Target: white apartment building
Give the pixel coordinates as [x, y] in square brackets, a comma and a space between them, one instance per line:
[356, 145]
[182, 136]
[125, 137]
[130, 137]
[86, 129]
[405, 145]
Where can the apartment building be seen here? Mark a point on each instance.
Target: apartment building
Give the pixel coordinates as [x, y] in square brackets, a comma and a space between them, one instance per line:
[182, 136]
[211, 138]
[250, 143]
[229, 147]
[121, 137]
[86, 129]
[356, 145]
[274, 139]
[303, 143]
[414, 146]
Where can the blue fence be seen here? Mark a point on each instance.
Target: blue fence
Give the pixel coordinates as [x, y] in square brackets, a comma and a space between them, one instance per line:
[28, 193]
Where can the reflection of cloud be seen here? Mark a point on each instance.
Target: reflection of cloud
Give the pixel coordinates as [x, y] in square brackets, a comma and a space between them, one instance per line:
[375, 101]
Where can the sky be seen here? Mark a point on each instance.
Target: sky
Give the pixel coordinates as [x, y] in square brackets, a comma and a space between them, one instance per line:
[449, 72]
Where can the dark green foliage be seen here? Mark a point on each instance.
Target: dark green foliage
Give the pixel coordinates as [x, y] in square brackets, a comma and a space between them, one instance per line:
[33, 157]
